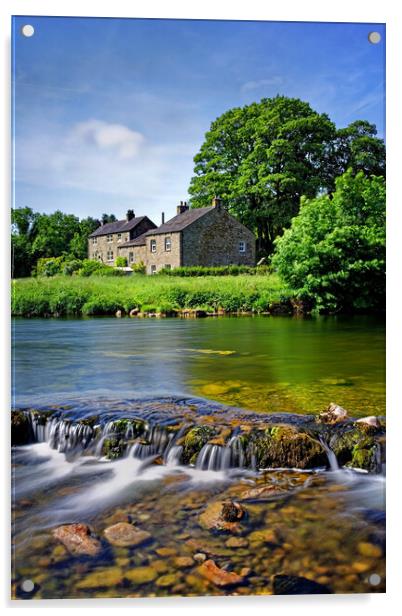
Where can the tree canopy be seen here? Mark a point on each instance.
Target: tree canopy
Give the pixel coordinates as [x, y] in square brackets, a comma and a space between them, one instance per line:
[333, 254]
[36, 236]
[261, 158]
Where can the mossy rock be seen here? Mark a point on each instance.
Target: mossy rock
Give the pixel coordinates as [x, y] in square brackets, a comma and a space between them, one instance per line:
[113, 448]
[285, 446]
[356, 448]
[90, 421]
[194, 441]
[21, 428]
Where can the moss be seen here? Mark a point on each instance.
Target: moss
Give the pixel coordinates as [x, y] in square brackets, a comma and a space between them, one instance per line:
[113, 448]
[356, 448]
[90, 421]
[194, 441]
[284, 446]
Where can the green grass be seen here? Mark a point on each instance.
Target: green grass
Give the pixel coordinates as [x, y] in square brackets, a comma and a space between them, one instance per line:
[76, 296]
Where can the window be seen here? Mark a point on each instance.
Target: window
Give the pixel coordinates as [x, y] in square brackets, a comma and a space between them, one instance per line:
[110, 237]
[119, 237]
[94, 241]
[242, 246]
[168, 266]
[153, 269]
[153, 245]
[131, 257]
[168, 244]
[109, 255]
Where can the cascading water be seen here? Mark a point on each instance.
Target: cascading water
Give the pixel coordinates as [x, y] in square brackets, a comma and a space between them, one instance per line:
[332, 459]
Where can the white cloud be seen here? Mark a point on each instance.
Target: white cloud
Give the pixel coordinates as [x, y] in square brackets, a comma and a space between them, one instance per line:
[117, 137]
[261, 83]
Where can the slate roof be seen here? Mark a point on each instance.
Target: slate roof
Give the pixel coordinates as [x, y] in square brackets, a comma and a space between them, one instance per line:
[181, 221]
[141, 240]
[120, 226]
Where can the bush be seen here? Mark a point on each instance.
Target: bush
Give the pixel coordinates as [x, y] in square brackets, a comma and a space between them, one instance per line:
[49, 266]
[138, 268]
[121, 262]
[334, 252]
[225, 270]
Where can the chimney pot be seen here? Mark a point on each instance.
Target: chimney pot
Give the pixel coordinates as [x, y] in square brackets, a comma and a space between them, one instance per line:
[216, 202]
[183, 207]
[163, 218]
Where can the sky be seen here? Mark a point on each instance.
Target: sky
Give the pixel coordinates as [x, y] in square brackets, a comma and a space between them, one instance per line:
[108, 114]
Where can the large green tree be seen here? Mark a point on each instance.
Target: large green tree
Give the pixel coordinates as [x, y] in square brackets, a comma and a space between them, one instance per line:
[263, 157]
[333, 254]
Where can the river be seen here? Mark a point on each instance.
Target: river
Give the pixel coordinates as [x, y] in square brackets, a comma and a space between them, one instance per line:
[301, 531]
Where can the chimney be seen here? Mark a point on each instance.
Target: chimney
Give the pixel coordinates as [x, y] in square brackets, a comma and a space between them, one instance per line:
[130, 215]
[216, 202]
[183, 207]
[163, 218]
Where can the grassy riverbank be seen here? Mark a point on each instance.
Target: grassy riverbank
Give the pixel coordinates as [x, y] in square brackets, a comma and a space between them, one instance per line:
[76, 296]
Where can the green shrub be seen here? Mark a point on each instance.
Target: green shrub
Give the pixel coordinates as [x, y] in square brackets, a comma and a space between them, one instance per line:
[49, 266]
[138, 268]
[121, 262]
[333, 255]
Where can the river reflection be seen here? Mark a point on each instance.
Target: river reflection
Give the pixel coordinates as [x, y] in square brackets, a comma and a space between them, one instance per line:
[264, 364]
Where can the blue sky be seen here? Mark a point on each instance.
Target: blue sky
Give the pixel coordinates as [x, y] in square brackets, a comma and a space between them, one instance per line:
[109, 113]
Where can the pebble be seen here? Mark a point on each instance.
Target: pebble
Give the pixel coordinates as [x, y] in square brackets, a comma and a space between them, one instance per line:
[141, 575]
[102, 578]
[183, 562]
[123, 534]
[166, 551]
[369, 549]
[200, 557]
[219, 576]
[236, 542]
[167, 580]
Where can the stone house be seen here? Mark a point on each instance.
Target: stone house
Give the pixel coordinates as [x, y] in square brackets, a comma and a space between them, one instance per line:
[105, 241]
[207, 236]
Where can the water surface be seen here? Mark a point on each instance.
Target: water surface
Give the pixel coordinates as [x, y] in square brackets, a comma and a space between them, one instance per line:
[263, 364]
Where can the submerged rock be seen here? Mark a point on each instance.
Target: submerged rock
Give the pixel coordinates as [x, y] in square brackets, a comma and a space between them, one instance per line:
[124, 534]
[103, 578]
[217, 576]
[78, 540]
[141, 575]
[294, 585]
[222, 516]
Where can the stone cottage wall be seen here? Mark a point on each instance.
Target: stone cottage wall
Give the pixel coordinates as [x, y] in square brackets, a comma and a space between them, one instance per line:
[99, 250]
[214, 239]
[162, 258]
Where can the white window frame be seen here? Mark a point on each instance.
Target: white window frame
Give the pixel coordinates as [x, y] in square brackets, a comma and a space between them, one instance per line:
[242, 246]
[152, 246]
[131, 257]
[168, 242]
[109, 256]
[119, 238]
[94, 241]
[153, 269]
[109, 237]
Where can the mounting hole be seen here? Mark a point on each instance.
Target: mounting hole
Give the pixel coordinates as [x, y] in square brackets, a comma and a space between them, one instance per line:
[374, 37]
[28, 30]
[374, 579]
[27, 585]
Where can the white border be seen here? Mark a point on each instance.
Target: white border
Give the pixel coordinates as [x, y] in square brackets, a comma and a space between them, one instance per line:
[388, 11]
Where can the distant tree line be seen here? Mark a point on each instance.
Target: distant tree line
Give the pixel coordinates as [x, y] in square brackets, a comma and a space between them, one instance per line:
[35, 236]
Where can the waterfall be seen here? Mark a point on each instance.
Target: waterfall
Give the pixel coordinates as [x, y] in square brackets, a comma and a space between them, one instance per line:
[173, 455]
[213, 458]
[332, 459]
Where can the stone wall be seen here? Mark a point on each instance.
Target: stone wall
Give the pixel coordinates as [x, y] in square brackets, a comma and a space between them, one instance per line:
[155, 261]
[214, 240]
[138, 252]
[99, 250]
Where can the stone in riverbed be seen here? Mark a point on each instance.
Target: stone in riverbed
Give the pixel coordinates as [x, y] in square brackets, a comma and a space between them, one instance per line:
[124, 534]
[222, 516]
[165, 581]
[78, 540]
[294, 585]
[236, 542]
[141, 575]
[369, 549]
[217, 576]
[263, 492]
[21, 429]
[182, 562]
[103, 578]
